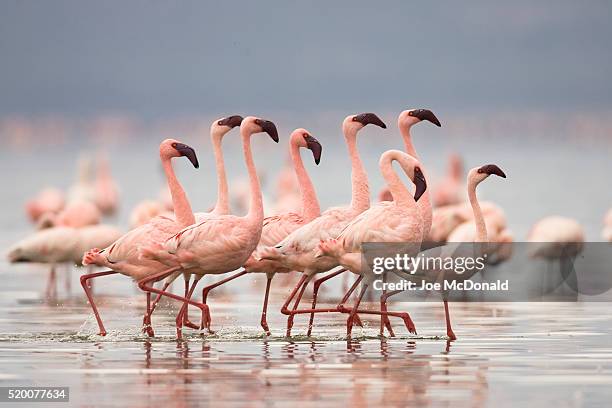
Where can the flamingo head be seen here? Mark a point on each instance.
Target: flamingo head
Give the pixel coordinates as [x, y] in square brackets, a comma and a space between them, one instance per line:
[222, 126]
[413, 116]
[170, 148]
[302, 138]
[251, 125]
[478, 174]
[355, 123]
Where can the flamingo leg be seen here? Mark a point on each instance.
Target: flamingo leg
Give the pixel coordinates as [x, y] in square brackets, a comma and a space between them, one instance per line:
[264, 312]
[207, 318]
[180, 317]
[285, 310]
[353, 313]
[449, 329]
[315, 292]
[296, 304]
[146, 321]
[186, 321]
[51, 290]
[87, 289]
[143, 284]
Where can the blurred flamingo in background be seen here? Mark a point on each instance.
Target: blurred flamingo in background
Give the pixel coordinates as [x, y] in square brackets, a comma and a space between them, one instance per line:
[450, 189]
[218, 244]
[50, 200]
[398, 220]
[107, 193]
[83, 189]
[122, 256]
[60, 245]
[277, 227]
[606, 234]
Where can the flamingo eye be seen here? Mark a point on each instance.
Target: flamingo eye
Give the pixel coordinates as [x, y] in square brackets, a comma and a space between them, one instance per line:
[174, 145]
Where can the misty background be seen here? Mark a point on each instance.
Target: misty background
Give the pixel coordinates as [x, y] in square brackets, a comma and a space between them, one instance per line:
[523, 84]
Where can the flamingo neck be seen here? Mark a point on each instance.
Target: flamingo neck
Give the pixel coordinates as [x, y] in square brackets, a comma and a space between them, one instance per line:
[424, 203]
[401, 194]
[256, 204]
[310, 203]
[182, 208]
[222, 205]
[360, 198]
[481, 229]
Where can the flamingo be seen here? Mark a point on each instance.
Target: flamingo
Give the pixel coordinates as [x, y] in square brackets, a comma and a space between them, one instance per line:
[122, 256]
[107, 193]
[389, 221]
[220, 243]
[556, 238]
[450, 190]
[297, 250]
[145, 211]
[606, 234]
[405, 120]
[76, 215]
[474, 178]
[60, 245]
[277, 227]
[49, 200]
[83, 189]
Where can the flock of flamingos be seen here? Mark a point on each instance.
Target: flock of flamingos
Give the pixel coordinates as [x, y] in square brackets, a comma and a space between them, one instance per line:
[169, 241]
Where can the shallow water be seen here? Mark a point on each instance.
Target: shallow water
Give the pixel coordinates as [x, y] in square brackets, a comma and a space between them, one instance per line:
[507, 354]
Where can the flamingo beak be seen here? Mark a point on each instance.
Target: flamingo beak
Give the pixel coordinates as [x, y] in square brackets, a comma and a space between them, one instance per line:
[426, 114]
[269, 127]
[492, 169]
[188, 152]
[369, 118]
[231, 121]
[315, 147]
[420, 184]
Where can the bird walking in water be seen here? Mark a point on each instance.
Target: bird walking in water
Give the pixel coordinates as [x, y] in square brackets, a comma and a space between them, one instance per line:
[389, 221]
[123, 257]
[220, 243]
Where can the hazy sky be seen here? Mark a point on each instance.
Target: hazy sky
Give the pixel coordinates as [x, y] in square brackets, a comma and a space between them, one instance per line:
[183, 57]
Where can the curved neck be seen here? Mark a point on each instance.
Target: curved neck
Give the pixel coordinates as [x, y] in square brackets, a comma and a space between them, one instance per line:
[401, 194]
[360, 199]
[256, 204]
[182, 208]
[310, 203]
[424, 203]
[481, 229]
[222, 205]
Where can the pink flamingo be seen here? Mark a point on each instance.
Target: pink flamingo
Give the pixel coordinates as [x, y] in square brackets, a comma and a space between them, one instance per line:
[107, 193]
[145, 211]
[122, 256]
[48, 201]
[606, 234]
[297, 250]
[398, 220]
[405, 120]
[60, 245]
[219, 244]
[556, 237]
[474, 178]
[450, 190]
[276, 228]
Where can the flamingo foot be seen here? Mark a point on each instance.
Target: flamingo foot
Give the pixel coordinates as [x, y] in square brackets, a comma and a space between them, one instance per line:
[93, 257]
[264, 325]
[450, 334]
[188, 323]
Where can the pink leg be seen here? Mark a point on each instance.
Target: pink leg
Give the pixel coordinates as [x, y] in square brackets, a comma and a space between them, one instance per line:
[186, 321]
[285, 309]
[87, 289]
[264, 312]
[449, 329]
[349, 321]
[143, 285]
[206, 319]
[315, 292]
[180, 317]
[51, 290]
[146, 321]
[295, 306]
